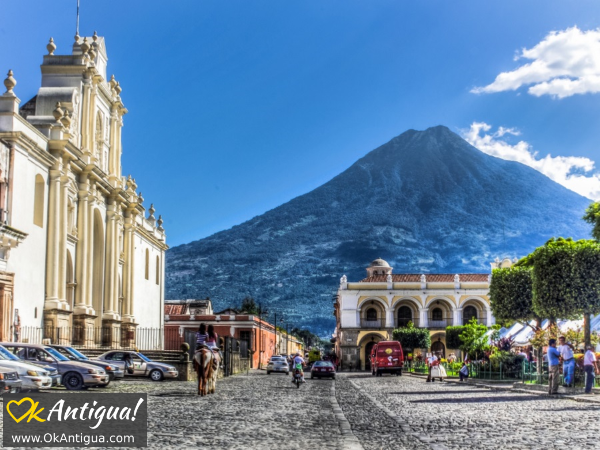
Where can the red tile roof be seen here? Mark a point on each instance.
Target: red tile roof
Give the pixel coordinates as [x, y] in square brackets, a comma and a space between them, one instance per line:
[174, 309]
[431, 278]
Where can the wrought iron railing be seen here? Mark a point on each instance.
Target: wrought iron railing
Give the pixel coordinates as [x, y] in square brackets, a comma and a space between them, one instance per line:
[103, 337]
[372, 323]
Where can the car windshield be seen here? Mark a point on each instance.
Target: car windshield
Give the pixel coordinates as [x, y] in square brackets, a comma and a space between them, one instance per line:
[7, 355]
[276, 358]
[54, 353]
[144, 358]
[75, 353]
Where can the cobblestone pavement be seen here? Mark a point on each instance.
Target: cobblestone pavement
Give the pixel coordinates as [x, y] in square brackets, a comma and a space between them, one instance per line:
[248, 411]
[259, 411]
[455, 416]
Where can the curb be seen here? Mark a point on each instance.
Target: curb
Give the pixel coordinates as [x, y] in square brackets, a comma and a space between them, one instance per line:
[351, 442]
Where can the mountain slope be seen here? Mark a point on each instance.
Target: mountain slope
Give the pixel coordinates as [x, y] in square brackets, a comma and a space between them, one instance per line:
[427, 201]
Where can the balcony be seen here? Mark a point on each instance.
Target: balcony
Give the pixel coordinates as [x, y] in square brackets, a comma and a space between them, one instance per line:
[372, 323]
[440, 323]
[403, 322]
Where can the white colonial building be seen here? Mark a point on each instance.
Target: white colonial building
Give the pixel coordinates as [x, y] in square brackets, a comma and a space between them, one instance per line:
[77, 250]
[369, 310]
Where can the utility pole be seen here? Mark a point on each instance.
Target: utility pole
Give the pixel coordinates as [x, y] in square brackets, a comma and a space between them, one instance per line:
[275, 331]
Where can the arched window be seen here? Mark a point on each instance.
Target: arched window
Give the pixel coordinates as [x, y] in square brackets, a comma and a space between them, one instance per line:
[147, 264]
[468, 313]
[437, 314]
[38, 201]
[404, 316]
[157, 270]
[371, 314]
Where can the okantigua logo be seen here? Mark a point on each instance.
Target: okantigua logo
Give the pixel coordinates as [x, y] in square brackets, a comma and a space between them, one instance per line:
[48, 420]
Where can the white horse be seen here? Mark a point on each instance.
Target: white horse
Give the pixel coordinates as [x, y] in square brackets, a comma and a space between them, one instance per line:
[206, 364]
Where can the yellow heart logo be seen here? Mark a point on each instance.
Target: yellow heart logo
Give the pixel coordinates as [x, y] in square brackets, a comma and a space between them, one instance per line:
[19, 404]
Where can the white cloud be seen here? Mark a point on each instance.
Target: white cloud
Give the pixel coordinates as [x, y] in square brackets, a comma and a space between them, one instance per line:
[573, 172]
[564, 63]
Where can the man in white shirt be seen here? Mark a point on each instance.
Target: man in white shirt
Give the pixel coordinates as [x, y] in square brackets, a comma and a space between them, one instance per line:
[566, 353]
[590, 365]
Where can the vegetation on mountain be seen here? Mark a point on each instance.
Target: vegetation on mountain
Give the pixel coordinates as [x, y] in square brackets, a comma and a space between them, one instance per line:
[427, 202]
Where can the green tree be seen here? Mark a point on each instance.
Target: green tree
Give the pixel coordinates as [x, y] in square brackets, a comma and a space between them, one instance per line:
[511, 294]
[249, 306]
[411, 338]
[566, 280]
[592, 216]
[453, 336]
[474, 338]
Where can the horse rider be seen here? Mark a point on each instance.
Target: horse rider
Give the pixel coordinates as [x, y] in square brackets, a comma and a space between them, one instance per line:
[297, 364]
[201, 336]
[212, 342]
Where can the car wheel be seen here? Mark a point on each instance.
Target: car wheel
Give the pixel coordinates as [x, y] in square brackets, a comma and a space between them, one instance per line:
[287, 373]
[73, 381]
[156, 375]
[268, 373]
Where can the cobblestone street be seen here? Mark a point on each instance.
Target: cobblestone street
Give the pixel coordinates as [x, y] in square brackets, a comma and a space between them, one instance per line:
[359, 411]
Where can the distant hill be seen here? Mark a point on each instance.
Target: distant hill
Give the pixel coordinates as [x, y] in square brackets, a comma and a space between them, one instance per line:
[427, 201]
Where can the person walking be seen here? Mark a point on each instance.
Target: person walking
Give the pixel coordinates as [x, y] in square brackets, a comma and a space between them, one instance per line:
[431, 361]
[590, 365]
[566, 353]
[553, 362]
[463, 373]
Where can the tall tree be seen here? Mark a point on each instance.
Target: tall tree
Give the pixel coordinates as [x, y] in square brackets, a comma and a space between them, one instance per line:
[249, 306]
[592, 216]
[511, 294]
[566, 280]
[474, 338]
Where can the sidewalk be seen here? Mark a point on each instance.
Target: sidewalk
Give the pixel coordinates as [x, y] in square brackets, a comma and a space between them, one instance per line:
[542, 390]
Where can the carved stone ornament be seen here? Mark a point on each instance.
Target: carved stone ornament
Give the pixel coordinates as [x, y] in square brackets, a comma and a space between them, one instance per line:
[389, 278]
[344, 279]
[10, 83]
[51, 47]
[423, 278]
[456, 278]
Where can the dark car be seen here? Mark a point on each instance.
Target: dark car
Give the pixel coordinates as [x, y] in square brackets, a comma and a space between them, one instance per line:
[10, 381]
[322, 369]
[114, 372]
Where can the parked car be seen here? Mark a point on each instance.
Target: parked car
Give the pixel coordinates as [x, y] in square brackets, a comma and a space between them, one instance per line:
[322, 369]
[10, 381]
[32, 377]
[114, 372]
[278, 364]
[36, 366]
[75, 375]
[387, 357]
[139, 365]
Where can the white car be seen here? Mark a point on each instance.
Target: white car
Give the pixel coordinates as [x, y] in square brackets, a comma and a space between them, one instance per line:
[32, 377]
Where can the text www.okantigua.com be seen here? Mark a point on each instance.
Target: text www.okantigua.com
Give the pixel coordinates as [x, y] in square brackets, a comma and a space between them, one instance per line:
[63, 438]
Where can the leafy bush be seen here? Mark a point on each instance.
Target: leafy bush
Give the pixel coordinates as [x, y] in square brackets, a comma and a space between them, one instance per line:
[412, 338]
[453, 336]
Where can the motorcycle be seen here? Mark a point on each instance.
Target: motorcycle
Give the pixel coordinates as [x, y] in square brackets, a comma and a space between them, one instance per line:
[298, 376]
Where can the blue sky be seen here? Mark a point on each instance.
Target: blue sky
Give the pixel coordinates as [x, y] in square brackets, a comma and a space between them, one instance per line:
[236, 107]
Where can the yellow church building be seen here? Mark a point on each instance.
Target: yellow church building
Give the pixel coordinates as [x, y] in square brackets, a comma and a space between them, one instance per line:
[81, 257]
[367, 311]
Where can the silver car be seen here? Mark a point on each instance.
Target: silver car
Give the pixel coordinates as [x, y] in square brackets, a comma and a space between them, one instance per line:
[278, 364]
[137, 364]
[31, 380]
[75, 375]
[114, 372]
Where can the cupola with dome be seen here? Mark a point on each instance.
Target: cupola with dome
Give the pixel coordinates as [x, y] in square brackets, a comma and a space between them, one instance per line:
[379, 267]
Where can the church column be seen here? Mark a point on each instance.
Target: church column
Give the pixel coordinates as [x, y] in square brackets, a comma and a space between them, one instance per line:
[62, 244]
[112, 166]
[83, 246]
[128, 321]
[90, 253]
[52, 260]
[110, 319]
[118, 143]
[457, 312]
[86, 139]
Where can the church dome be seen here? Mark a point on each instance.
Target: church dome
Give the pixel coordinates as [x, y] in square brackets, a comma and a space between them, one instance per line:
[379, 263]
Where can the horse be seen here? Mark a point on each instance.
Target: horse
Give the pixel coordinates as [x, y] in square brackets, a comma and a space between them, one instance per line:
[203, 363]
[206, 363]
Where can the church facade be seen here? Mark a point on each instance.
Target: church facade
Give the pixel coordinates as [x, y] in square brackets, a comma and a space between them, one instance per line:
[369, 310]
[79, 251]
